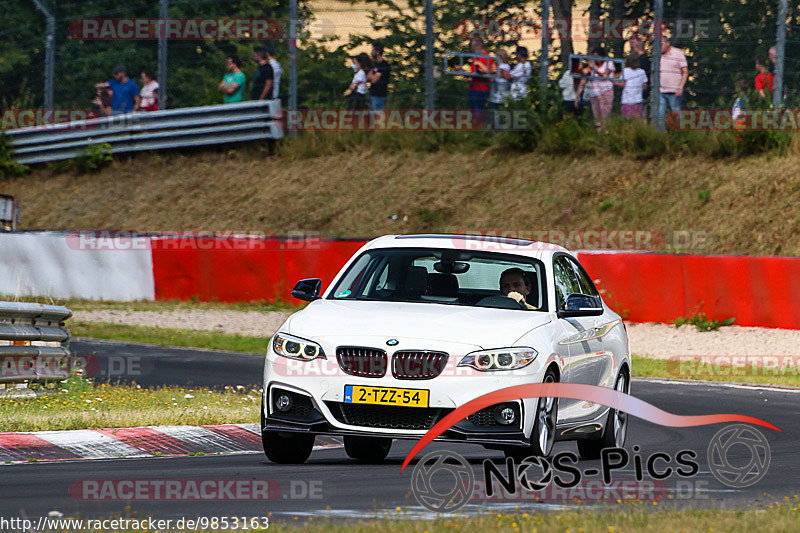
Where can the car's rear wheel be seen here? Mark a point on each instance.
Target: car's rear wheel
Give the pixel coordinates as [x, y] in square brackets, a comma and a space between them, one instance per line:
[285, 448]
[615, 430]
[544, 428]
[367, 449]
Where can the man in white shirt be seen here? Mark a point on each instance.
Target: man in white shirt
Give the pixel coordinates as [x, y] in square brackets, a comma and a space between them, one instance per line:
[276, 70]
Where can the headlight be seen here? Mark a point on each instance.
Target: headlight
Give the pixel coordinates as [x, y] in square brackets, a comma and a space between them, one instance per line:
[500, 359]
[296, 348]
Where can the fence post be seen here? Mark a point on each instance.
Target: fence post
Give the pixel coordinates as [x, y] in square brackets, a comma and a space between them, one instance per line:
[50, 56]
[430, 90]
[543, 57]
[163, 15]
[655, 69]
[292, 104]
[780, 52]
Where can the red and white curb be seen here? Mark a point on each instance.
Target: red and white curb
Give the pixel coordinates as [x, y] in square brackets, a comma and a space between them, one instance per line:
[139, 442]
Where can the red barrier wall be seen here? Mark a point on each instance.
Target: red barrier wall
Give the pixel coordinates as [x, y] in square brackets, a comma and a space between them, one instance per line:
[757, 291]
[242, 270]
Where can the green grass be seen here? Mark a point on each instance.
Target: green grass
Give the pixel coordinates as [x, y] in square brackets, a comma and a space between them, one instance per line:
[779, 516]
[210, 340]
[81, 404]
[645, 367]
[634, 517]
[194, 304]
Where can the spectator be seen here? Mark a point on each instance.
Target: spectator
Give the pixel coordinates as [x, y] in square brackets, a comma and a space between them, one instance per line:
[262, 81]
[773, 57]
[501, 82]
[232, 84]
[357, 98]
[764, 78]
[601, 91]
[478, 87]
[520, 74]
[674, 73]
[124, 92]
[740, 104]
[633, 85]
[276, 70]
[378, 79]
[568, 93]
[101, 105]
[637, 50]
[149, 92]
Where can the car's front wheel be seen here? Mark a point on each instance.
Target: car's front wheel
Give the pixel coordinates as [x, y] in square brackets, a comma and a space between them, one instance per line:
[367, 449]
[287, 448]
[544, 428]
[615, 430]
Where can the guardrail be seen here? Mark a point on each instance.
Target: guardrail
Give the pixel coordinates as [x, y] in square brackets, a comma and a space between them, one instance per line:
[156, 130]
[33, 342]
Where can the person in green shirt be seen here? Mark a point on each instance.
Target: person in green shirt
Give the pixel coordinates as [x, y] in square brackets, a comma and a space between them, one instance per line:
[232, 85]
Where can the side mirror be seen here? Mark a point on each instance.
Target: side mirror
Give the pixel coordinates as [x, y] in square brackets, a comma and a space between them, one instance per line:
[581, 305]
[308, 289]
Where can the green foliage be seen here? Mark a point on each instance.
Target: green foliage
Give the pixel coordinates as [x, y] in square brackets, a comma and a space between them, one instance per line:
[94, 158]
[704, 195]
[702, 323]
[605, 205]
[9, 167]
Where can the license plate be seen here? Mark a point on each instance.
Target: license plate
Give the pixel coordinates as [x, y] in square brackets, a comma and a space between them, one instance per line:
[386, 396]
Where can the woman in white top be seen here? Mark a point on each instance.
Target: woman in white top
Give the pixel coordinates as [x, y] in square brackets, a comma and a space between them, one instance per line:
[149, 92]
[520, 74]
[501, 81]
[635, 81]
[357, 98]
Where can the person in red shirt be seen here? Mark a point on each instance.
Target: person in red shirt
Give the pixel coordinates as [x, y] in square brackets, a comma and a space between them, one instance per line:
[478, 88]
[764, 78]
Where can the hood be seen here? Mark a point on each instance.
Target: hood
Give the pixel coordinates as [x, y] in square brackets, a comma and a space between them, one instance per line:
[478, 326]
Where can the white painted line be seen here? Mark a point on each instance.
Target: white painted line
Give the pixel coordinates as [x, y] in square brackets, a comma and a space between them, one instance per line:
[90, 444]
[252, 428]
[698, 382]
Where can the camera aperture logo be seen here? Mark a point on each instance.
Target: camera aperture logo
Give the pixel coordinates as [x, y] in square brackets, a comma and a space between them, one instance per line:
[728, 454]
[446, 464]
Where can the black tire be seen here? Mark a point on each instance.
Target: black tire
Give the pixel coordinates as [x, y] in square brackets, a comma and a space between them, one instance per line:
[614, 431]
[546, 418]
[285, 448]
[367, 449]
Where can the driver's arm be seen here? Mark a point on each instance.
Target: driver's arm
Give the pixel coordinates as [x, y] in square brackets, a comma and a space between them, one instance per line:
[520, 298]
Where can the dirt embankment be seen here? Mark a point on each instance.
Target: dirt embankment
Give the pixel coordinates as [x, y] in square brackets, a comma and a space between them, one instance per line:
[732, 206]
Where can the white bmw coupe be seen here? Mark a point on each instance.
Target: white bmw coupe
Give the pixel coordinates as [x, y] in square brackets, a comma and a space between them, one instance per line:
[414, 326]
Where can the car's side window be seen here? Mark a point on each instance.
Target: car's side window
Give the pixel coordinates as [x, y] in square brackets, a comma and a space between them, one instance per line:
[566, 282]
[587, 287]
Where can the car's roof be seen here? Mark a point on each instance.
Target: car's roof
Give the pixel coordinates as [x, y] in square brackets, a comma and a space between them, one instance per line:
[487, 243]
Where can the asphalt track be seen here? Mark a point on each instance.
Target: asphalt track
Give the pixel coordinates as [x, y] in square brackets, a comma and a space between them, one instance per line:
[331, 484]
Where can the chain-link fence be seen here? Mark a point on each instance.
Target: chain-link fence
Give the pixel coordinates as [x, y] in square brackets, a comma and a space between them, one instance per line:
[721, 40]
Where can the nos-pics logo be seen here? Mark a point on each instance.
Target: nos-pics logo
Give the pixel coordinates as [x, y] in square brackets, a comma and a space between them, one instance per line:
[443, 481]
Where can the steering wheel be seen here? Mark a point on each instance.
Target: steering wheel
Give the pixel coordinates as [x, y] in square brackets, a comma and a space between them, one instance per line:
[503, 302]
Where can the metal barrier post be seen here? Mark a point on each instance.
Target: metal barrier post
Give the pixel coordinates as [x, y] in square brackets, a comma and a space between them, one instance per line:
[780, 52]
[50, 56]
[163, 15]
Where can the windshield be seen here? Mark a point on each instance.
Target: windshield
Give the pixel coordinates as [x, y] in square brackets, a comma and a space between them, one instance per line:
[451, 277]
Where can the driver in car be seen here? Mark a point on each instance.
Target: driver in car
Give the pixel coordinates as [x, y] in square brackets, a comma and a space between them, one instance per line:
[515, 284]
